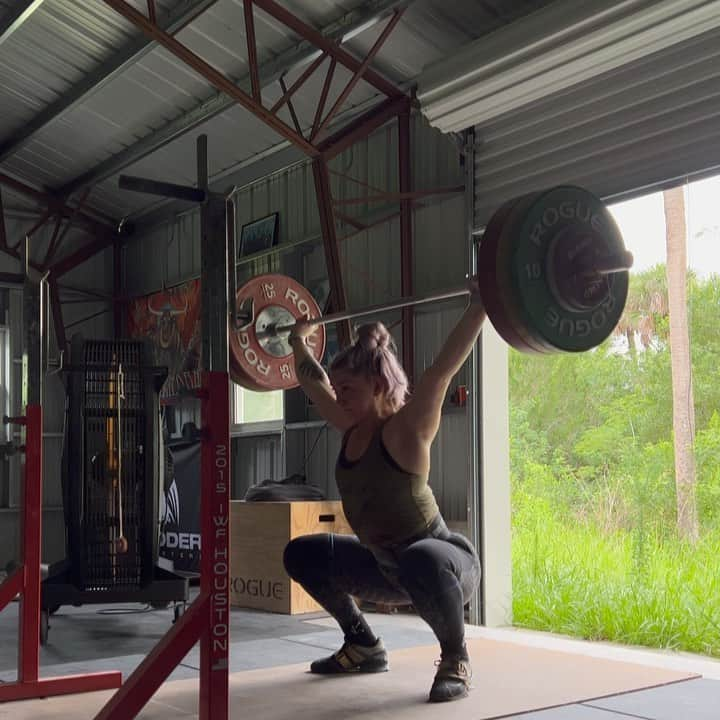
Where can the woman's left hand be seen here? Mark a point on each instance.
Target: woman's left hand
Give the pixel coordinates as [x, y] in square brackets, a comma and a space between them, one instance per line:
[474, 286]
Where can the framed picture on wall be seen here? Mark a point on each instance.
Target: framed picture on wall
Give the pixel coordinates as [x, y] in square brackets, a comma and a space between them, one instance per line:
[259, 235]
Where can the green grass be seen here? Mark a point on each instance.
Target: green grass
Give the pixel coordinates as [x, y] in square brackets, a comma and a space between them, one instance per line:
[625, 587]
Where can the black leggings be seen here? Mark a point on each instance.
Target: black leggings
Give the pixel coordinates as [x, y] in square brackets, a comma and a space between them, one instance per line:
[436, 576]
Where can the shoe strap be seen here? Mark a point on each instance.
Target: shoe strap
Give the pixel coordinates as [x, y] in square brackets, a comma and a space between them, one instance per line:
[348, 657]
[454, 670]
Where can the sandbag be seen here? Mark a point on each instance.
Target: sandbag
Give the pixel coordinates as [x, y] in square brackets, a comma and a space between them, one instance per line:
[294, 487]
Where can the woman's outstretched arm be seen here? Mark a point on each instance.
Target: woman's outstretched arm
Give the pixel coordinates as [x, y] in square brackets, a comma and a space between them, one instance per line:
[314, 380]
[421, 416]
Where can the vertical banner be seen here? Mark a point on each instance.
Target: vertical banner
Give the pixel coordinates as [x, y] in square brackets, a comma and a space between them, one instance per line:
[171, 319]
[180, 539]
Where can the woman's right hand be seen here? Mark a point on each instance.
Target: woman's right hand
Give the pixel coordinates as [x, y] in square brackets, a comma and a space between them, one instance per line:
[302, 329]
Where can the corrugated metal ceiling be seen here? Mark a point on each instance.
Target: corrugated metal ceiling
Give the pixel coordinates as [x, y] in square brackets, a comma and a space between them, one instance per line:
[65, 42]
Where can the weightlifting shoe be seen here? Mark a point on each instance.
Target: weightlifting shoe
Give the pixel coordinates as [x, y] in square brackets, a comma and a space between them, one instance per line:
[452, 679]
[353, 658]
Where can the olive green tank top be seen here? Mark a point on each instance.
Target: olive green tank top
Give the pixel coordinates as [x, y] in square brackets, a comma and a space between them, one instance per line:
[384, 504]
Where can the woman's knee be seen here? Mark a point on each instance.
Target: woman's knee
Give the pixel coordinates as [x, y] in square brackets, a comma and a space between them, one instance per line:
[306, 553]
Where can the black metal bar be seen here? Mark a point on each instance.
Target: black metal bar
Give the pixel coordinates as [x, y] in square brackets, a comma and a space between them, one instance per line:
[85, 319]
[33, 333]
[157, 187]
[56, 309]
[3, 233]
[118, 304]
[11, 278]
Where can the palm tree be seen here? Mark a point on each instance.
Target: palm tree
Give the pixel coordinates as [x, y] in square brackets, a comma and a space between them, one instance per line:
[645, 308]
[683, 402]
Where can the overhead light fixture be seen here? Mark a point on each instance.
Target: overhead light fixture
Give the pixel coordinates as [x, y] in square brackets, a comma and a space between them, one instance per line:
[561, 45]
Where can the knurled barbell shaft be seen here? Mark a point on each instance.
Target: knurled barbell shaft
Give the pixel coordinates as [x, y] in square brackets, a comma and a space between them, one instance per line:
[608, 266]
[371, 309]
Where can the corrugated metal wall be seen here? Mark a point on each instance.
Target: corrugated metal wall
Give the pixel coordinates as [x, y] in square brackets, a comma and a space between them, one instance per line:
[646, 125]
[97, 274]
[371, 268]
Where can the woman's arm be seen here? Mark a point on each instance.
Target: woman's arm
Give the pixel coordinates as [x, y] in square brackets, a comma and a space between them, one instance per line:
[459, 343]
[316, 384]
[421, 416]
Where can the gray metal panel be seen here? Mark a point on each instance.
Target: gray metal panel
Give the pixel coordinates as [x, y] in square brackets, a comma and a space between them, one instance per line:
[254, 459]
[641, 127]
[440, 246]
[65, 41]
[62, 42]
[449, 453]
[320, 461]
[53, 541]
[96, 273]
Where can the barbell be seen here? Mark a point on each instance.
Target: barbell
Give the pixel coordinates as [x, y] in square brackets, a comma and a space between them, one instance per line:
[552, 271]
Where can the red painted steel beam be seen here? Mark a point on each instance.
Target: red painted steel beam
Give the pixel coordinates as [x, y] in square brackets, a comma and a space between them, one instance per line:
[57, 204]
[215, 556]
[401, 196]
[23, 189]
[70, 262]
[406, 243]
[207, 619]
[3, 232]
[28, 684]
[356, 181]
[359, 72]
[43, 219]
[351, 221]
[87, 318]
[362, 126]
[152, 15]
[11, 587]
[287, 94]
[380, 221]
[329, 46]
[252, 49]
[56, 241]
[15, 253]
[323, 99]
[338, 298]
[213, 76]
[150, 674]
[31, 539]
[53, 240]
[70, 685]
[291, 109]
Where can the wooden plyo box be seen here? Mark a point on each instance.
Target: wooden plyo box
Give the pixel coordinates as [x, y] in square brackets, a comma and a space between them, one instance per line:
[259, 532]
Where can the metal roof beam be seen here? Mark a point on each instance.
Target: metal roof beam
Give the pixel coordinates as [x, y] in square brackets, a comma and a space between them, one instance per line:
[304, 51]
[13, 19]
[131, 53]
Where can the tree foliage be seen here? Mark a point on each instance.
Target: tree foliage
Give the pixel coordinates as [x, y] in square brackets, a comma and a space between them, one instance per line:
[592, 433]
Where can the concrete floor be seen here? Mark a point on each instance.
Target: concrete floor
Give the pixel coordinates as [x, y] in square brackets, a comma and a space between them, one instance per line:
[96, 638]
